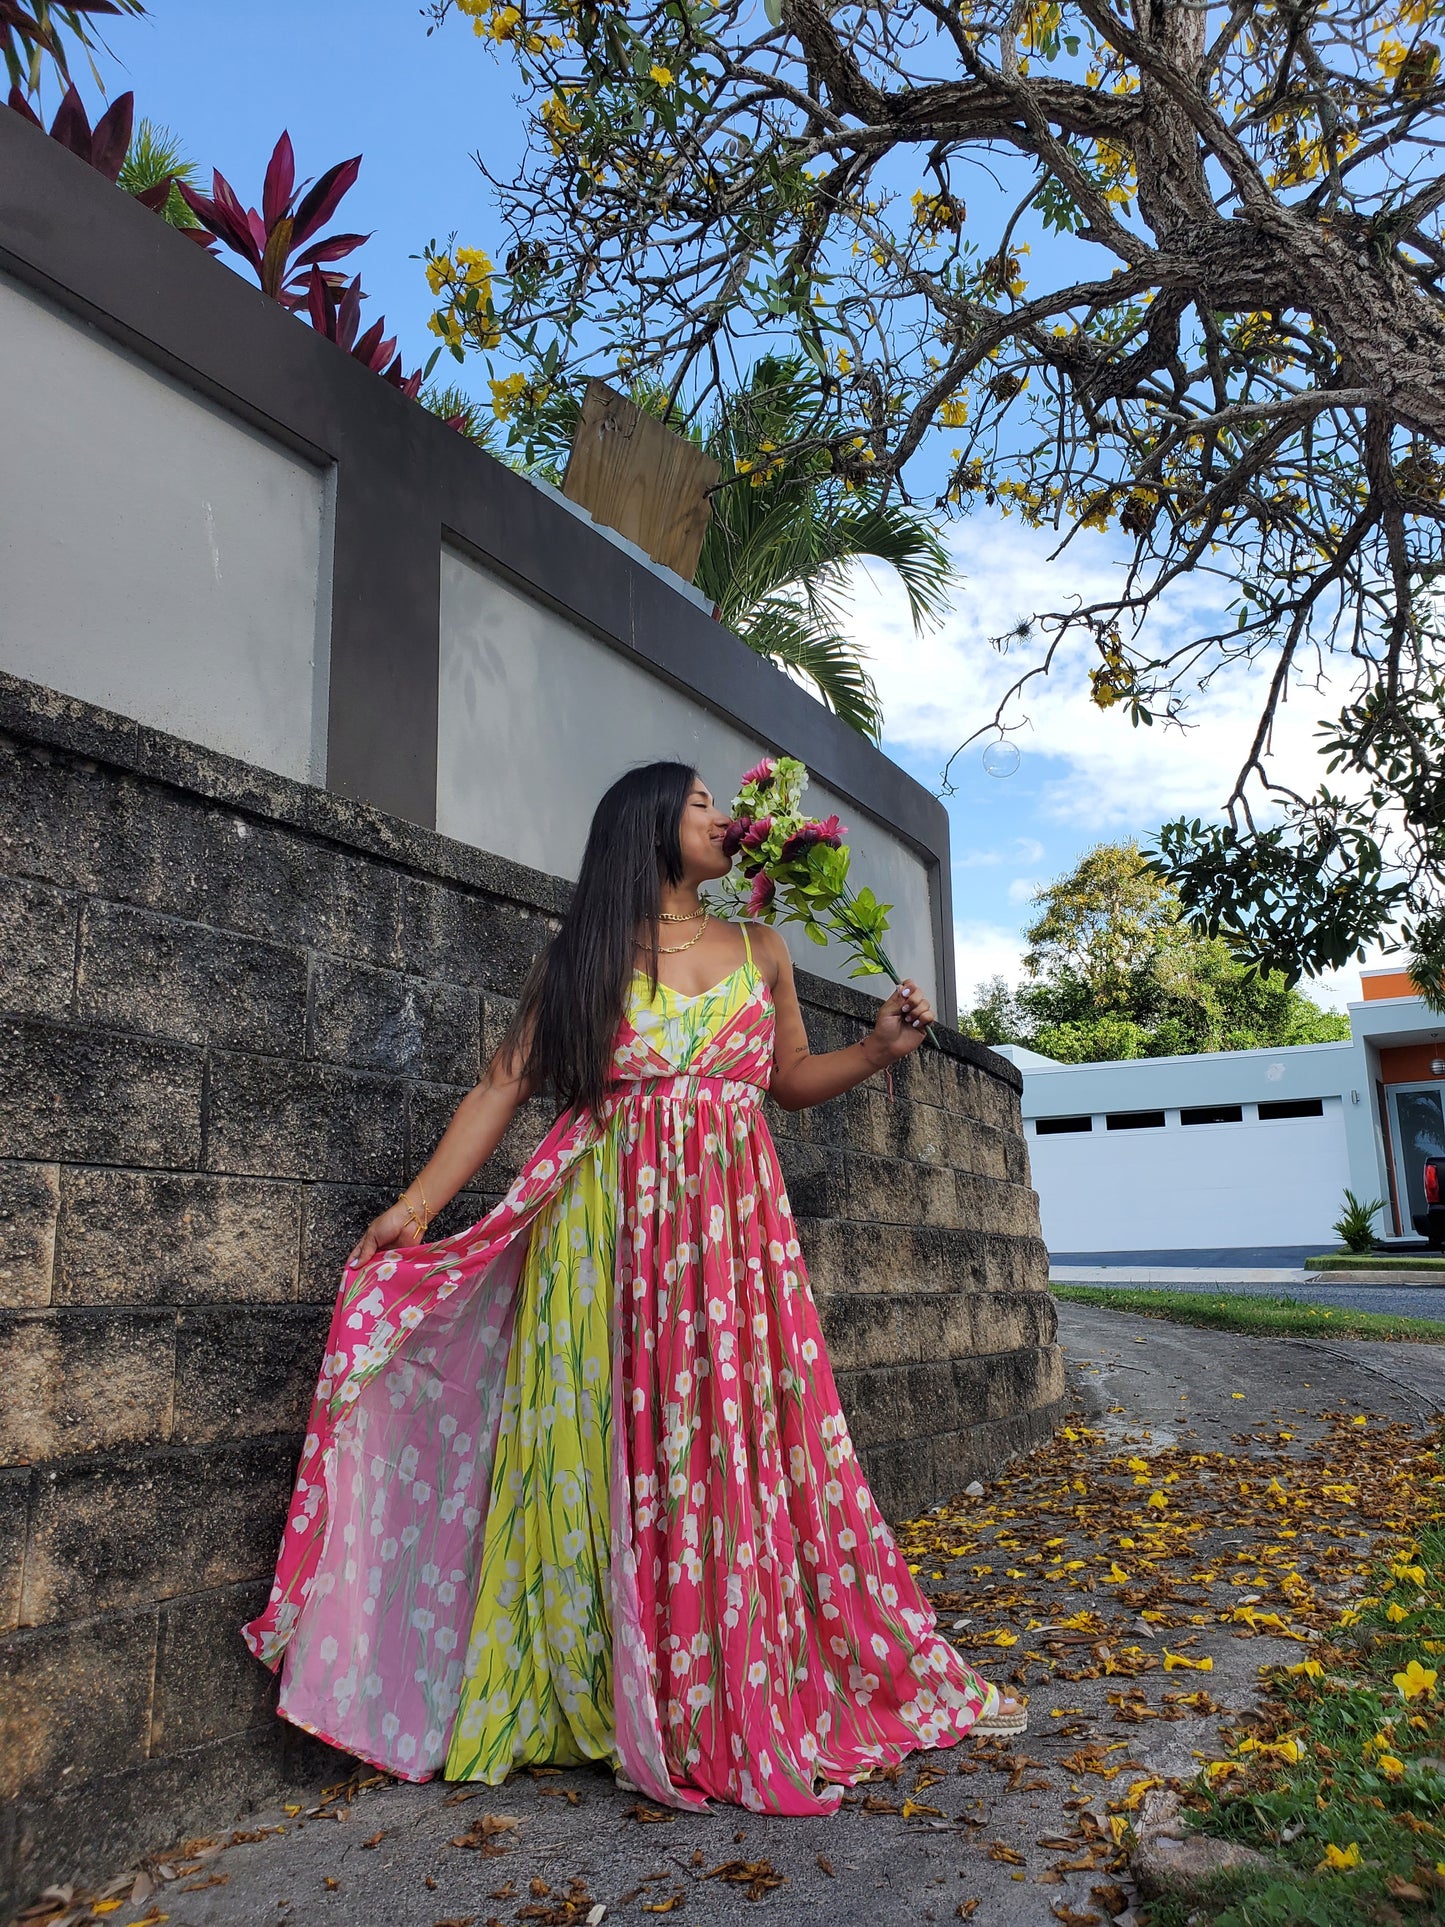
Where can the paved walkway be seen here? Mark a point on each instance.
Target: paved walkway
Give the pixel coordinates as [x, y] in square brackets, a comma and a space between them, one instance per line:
[1019, 1830]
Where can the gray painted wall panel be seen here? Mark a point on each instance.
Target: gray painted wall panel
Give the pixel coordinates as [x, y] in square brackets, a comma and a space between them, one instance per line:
[537, 718]
[158, 556]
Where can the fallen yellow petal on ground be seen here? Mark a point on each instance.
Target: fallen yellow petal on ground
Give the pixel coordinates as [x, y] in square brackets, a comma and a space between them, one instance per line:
[1338, 1859]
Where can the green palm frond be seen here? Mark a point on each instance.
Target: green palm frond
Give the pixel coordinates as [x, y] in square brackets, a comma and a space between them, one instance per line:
[787, 635]
[912, 548]
[154, 155]
[759, 540]
[33, 31]
[783, 526]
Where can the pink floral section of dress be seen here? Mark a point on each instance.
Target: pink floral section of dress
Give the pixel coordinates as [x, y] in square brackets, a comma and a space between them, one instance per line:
[791, 1650]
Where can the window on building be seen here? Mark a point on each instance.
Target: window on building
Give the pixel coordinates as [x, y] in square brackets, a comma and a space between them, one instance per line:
[1213, 1114]
[1061, 1126]
[1291, 1107]
[1135, 1120]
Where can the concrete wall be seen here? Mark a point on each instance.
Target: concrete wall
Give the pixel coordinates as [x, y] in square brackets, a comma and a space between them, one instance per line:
[159, 557]
[537, 718]
[235, 1012]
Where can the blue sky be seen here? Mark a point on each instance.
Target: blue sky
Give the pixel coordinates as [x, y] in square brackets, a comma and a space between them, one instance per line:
[366, 79]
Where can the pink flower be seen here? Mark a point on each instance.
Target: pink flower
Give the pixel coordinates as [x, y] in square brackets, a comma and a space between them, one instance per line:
[760, 773]
[764, 890]
[829, 831]
[733, 835]
[756, 834]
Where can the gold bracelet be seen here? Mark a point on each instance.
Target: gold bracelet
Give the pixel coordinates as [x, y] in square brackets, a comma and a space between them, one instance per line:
[411, 1211]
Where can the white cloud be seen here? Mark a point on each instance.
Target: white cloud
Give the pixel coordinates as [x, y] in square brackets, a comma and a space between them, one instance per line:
[1023, 849]
[1023, 889]
[937, 689]
[985, 950]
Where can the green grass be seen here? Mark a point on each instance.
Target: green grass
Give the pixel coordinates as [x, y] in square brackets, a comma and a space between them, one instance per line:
[1369, 1777]
[1271, 1317]
[1373, 1261]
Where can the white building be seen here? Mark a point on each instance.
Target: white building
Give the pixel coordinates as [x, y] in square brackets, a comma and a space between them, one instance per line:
[1238, 1150]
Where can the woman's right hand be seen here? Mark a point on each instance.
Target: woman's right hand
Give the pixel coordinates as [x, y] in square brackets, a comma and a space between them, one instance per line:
[394, 1228]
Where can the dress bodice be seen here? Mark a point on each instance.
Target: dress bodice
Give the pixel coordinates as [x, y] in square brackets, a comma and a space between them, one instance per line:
[723, 1032]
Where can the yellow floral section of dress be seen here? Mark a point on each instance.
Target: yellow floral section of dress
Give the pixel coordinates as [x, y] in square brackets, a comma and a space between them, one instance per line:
[537, 1686]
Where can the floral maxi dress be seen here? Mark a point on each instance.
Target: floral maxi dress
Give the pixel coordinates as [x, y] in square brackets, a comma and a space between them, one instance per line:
[577, 1484]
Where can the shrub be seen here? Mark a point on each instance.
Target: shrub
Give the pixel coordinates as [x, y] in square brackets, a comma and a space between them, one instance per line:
[1354, 1226]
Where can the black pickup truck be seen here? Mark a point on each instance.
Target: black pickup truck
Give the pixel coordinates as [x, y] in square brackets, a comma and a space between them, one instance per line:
[1430, 1223]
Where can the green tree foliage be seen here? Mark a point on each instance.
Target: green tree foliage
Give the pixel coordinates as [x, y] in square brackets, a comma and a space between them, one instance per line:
[1113, 970]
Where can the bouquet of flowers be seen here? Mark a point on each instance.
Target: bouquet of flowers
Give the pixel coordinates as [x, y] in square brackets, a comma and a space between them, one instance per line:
[795, 867]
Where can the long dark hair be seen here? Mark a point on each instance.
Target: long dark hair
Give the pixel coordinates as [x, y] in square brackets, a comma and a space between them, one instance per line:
[573, 999]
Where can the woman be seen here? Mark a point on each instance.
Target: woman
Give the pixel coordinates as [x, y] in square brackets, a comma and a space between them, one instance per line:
[577, 1485]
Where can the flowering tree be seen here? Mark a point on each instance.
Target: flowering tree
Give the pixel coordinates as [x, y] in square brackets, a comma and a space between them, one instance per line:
[1235, 362]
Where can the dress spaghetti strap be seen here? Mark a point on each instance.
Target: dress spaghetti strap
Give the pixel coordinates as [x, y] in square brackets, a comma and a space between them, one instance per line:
[747, 946]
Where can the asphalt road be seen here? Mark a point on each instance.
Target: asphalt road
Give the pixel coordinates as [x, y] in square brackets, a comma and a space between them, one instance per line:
[1183, 1380]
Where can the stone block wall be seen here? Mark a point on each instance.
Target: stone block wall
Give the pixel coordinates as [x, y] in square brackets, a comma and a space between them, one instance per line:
[235, 1013]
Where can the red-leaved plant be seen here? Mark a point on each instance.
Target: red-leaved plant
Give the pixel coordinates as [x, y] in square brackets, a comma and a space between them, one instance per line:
[104, 146]
[269, 240]
[339, 318]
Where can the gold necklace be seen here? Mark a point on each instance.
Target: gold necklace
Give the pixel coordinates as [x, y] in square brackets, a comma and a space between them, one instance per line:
[681, 916]
[672, 949]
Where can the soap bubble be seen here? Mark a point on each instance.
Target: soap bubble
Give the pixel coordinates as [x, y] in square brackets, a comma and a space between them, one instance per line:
[1001, 758]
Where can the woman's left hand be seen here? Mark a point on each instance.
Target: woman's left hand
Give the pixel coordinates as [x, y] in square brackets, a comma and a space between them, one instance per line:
[903, 1020]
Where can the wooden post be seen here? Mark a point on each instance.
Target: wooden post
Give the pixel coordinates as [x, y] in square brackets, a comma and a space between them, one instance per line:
[641, 478]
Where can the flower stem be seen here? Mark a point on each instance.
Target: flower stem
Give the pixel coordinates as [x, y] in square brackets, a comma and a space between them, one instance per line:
[873, 949]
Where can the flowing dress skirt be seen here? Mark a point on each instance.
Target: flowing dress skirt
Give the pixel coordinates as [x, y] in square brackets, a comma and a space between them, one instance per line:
[582, 1488]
